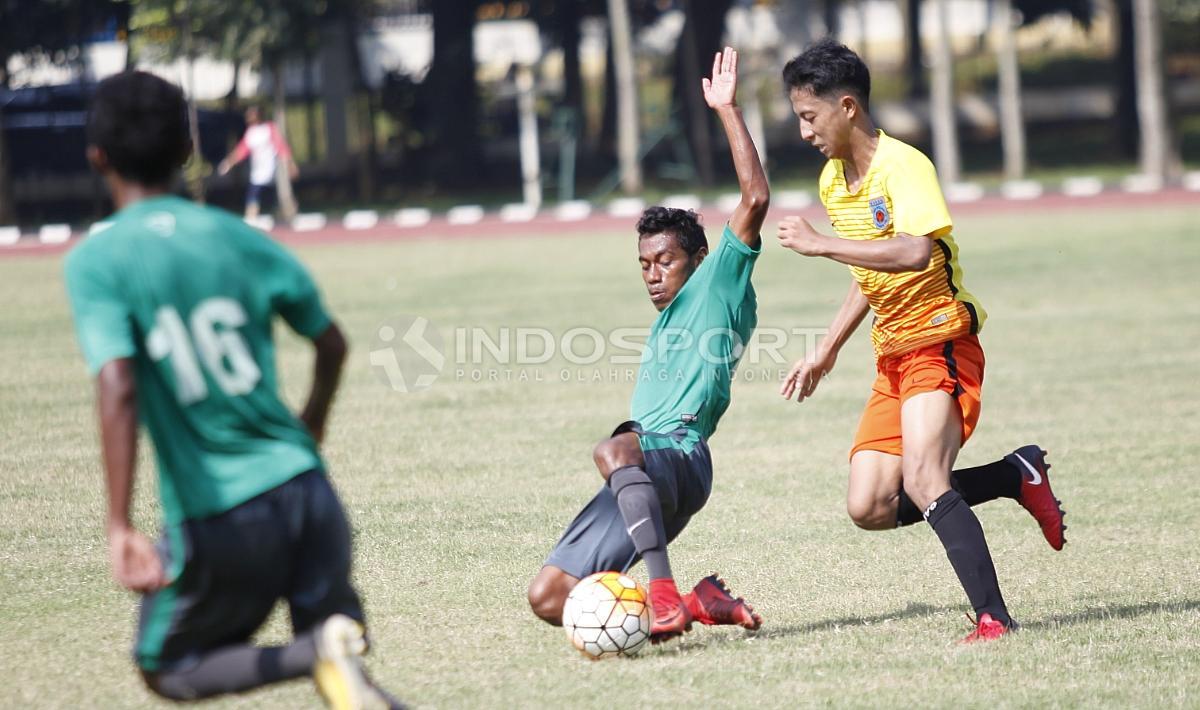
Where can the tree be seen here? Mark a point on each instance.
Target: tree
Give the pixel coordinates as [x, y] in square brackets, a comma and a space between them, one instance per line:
[621, 41]
[454, 114]
[1012, 123]
[941, 101]
[1154, 151]
[703, 26]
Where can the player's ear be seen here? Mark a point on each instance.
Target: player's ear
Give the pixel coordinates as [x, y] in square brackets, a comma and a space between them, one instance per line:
[849, 106]
[700, 254]
[97, 158]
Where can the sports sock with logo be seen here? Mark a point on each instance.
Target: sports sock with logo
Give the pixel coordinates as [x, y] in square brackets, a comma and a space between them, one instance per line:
[234, 669]
[642, 512]
[962, 536]
[979, 484]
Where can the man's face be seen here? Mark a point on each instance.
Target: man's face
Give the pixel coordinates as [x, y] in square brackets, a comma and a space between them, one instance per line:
[825, 122]
[666, 267]
[252, 116]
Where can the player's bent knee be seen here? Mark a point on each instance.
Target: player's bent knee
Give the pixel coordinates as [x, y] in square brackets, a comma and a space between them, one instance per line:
[871, 514]
[546, 600]
[153, 682]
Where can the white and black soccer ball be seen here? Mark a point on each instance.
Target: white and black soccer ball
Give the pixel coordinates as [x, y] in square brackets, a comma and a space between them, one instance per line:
[607, 614]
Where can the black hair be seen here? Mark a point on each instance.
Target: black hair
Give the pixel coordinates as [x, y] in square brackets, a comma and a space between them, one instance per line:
[140, 122]
[684, 225]
[826, 67]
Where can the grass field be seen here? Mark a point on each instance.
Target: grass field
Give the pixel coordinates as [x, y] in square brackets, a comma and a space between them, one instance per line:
[458, 492]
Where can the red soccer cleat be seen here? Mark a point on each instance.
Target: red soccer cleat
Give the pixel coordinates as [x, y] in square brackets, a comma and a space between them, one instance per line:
[989, 629]
[670, 616]
[712, 604]
[1036, 496]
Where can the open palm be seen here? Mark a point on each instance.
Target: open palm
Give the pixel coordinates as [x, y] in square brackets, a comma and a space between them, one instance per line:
[720, 91]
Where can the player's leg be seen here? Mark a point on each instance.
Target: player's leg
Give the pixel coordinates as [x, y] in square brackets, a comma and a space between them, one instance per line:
[193, 635]
[322, 602]
[622, 464]
[931, 423]
[595, 541]
[252, 197]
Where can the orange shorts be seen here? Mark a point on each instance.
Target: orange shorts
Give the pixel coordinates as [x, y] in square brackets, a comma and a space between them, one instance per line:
[954, 367]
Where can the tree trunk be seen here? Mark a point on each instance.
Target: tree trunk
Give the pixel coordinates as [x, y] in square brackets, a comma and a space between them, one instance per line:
[454, 115]
[568, 17]
[831, 14]
[941, 102]
[7, 210]
[687, 75]
[310, 106]
[621, 37]
[914, 68]
[283, 181]
[1125, 114]
[1154, 153]
[1012, 123]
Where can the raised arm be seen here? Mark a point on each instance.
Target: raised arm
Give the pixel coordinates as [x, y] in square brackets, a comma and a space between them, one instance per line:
[806, 374]
[720, 92]
[903, 252]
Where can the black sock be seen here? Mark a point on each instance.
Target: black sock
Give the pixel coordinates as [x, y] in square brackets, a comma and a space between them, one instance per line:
[962, 536]
[642, 512]
[234, 669]
[976, 485]
[998, 479]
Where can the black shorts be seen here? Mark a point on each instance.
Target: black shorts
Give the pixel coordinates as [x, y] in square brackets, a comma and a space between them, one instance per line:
[290, 543]
[680, 467]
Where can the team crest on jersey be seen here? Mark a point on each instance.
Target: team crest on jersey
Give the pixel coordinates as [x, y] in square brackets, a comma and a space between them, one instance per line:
[879, 213]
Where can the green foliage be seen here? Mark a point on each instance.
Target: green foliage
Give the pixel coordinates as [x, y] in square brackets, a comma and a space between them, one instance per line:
[256, 33]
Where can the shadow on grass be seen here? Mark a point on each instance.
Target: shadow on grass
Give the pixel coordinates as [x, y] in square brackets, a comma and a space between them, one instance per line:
[768, 631]
[1105, 613]
[914, 610]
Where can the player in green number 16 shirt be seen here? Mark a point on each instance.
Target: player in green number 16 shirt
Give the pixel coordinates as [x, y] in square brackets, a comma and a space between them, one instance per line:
[173, 305]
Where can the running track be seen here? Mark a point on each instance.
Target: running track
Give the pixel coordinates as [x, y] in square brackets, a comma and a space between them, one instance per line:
[546, 224]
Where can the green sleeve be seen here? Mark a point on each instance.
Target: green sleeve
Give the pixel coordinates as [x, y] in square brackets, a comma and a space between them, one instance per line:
[103, 320]
[295, 297]
[732, 265]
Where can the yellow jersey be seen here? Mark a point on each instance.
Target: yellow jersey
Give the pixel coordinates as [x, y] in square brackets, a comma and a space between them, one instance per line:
[900, 195]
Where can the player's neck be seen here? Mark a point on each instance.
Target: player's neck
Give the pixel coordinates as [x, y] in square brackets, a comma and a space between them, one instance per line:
[863, 142]
[125, 193]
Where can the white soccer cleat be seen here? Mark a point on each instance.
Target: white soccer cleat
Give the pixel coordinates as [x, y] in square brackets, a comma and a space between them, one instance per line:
[338, 672]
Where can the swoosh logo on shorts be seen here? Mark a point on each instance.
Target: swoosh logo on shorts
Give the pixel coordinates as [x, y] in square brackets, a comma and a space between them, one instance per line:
[1037, 477]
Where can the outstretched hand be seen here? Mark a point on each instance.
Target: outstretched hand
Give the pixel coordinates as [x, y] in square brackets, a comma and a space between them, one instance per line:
[721, 90]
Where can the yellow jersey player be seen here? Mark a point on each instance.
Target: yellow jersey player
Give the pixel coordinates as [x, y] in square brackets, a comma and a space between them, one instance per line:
[894, 232]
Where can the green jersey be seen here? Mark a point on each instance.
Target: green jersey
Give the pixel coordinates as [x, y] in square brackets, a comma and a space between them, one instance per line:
[695, 344]
[188, 293]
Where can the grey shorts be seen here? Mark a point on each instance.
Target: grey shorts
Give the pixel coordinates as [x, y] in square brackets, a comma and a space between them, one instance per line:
[680, 467]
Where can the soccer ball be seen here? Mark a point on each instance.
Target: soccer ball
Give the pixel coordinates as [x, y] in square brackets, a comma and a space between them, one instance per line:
[607, 614]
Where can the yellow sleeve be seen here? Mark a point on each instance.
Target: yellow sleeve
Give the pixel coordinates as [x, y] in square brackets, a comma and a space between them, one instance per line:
[918, 207]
